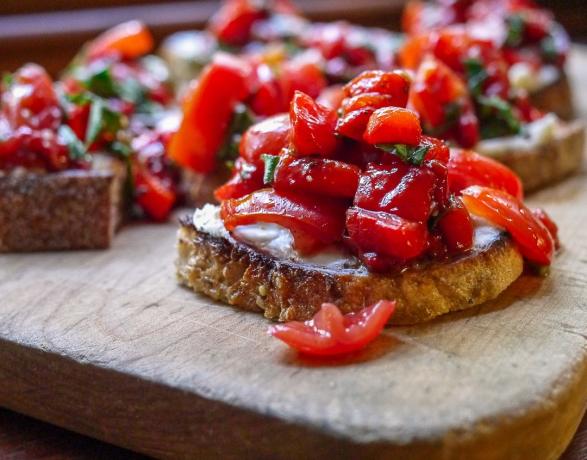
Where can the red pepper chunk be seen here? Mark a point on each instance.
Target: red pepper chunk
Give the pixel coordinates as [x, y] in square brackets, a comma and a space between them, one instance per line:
[153, 196]
[456, 227]
[356, 112]
[331, 333]
[313, 127]
[208, 110]
[246, 178]
[386, 234]
[267, 137]
[233, 23]
[394, 84]
[129, 40]
[502, 209]
[393, 125]
[467, 168]
[313, 222]
[318, 176]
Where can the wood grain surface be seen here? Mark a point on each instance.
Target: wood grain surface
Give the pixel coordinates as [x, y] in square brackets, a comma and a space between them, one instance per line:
[107, 344]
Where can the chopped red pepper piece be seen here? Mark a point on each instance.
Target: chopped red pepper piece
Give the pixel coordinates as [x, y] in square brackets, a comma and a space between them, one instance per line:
[318, 176]
[467, 168]
[393, 125]
[246, 178]
[394, 84]
[153, 196]
[456, 227]
[313, 222]
[129, 40]
[502, 209]
[267, 137]
[331, 333]
[232, 24]
[208, 110]
[313, 127]
[386, 234]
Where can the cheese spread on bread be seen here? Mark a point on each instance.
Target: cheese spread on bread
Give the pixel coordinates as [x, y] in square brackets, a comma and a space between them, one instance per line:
[278, 241]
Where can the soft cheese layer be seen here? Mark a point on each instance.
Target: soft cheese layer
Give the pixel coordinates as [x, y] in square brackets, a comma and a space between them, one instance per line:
[277, 241]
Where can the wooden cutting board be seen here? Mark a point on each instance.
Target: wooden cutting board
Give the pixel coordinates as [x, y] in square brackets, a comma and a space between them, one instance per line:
[107, 344]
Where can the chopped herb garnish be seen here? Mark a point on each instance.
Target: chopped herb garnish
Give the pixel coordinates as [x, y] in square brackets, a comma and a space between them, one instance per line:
[77, 150]
[548, 48]
[516, 26]
[271, 162]
[102, 120]
[132, 91]
[7, 80]
[242, 120]
[498, 117]
[476, 75]
[101, 83]
[411, 155]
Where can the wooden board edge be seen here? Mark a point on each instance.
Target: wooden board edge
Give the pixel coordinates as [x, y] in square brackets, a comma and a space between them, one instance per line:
[142, 416]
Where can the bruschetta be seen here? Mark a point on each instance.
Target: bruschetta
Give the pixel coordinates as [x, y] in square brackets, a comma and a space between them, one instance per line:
[533, 43]
[357, 207]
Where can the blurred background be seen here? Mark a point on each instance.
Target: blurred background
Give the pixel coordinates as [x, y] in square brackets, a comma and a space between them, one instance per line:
[51, 31]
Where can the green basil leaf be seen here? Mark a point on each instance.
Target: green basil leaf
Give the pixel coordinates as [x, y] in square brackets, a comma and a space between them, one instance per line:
[498, 117]
[410, 155]
[418, 154]
[101, 83]
[121, 149]
[77, 150]
[242, 119]
[548, 49]
[102, 120]
[476, 75]
[271, 162]
[132, 91]
[7, 80]
[515, 33]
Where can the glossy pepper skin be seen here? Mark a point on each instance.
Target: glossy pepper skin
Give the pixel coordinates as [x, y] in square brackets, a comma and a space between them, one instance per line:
[208, 110]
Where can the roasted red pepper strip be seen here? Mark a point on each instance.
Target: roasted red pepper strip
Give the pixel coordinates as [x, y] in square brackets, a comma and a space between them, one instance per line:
[502, 209]
[153, 196]
[267, 137]
[318, 176]
[129, 40]
[467, 168]
[312, 126]
[393, 125]
[331, 333]
[386, 234]
[208, 110]
[312, 221]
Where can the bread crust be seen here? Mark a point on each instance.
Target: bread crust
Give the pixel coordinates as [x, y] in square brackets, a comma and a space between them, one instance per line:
[549, 163]
[74, 209]
[241, 276]
[556, 97]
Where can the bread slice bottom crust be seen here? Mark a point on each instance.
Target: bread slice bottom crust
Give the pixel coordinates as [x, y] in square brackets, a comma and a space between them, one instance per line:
[551, 162]
[243, 277]
[67, 210]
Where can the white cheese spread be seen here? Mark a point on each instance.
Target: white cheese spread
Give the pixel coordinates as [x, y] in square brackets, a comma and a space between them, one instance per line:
[522, 76]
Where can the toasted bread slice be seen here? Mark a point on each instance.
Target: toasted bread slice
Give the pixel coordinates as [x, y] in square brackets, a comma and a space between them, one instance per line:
[240, 275]
[74, 209]
[544, 165]
[556, 98]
